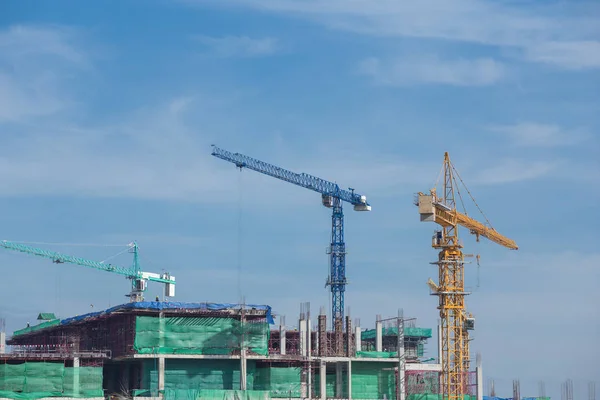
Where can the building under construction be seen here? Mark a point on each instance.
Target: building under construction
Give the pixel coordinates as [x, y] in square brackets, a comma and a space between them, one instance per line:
[206, 350]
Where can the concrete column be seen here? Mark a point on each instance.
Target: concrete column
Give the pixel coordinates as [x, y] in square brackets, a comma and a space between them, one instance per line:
[378, 335]
[323, 380]
[309, 343]
[282, 339]
[161, 373]
[76, 364]
[479, 372]
[349, 379]
[2, 342]
[401, 360]
[358, 338]
[309, 354]
[302, 329]
[161, 330]
[338, 380]
[243, 372]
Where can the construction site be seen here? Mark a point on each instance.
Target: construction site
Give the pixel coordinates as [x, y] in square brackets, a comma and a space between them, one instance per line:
[174, 350]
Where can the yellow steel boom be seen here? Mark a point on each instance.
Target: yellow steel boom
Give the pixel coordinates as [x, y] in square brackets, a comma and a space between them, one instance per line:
[433, 210]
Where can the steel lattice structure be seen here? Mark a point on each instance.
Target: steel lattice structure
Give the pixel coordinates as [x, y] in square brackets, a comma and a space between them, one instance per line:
[450, 288]
[332, 197]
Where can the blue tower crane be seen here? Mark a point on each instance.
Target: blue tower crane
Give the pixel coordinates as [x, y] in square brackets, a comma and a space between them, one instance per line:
[139, 279]
[332, 197]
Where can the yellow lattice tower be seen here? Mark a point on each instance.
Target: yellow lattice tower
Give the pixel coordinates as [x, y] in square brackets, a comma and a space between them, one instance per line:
[451, 285]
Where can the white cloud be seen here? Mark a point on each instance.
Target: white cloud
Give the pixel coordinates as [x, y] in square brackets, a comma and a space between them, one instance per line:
[531, 134]
[32, 66]
[239, 46]
[22, 41]
[430, 69]
[512, 170]
[570, 55]
[546, 33]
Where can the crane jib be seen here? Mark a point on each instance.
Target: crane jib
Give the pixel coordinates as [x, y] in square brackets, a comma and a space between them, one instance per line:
[301, 179]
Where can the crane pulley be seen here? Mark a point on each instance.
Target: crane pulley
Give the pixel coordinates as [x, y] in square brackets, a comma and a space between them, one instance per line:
[139, 279]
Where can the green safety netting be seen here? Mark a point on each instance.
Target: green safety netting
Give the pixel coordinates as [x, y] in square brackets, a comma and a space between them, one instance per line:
[192, 335]
[191, 374]
[32, 380]
[330, 386]
[208, 394]
[37, 327]
[280, 382]
[392, 331]
[373, 380]
[376, 354]
[184, 377]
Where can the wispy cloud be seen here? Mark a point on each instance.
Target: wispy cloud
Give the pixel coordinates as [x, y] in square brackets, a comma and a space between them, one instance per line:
[30, 60]
[513, 170]
[541, 31]
[21, 41]
[239, 46]
[531, 134]
[430, 69]
[570, 55]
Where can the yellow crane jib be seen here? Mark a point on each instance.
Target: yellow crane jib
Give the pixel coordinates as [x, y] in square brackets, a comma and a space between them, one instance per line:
[435, 211]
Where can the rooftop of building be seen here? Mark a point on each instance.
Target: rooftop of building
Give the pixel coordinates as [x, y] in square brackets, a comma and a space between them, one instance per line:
[155, 307]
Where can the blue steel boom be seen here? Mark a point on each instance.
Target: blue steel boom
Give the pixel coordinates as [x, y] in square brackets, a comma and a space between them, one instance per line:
[137, 276]
[332, 197]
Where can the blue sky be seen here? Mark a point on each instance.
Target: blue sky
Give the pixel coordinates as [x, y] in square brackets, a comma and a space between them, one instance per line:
[108, 110]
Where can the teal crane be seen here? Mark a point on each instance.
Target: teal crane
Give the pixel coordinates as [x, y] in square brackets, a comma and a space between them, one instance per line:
[139, 279]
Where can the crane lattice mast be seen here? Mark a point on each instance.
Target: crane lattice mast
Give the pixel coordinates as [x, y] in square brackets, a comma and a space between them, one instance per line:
[139, 279]
[332, 197]
[450, 289]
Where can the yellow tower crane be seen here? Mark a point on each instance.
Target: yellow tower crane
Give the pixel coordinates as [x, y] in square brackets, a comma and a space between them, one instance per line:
[450, 289]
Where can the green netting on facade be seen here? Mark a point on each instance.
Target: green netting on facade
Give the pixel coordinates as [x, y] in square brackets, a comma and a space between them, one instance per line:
[330, 386]
[195, 335]
[37, 327]
[207, 394]
[33, 380]
[282, 382]
[376, 354]
[373, 380]
[392, 331]
[432, 396]
[183, 378]
[194, 375]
